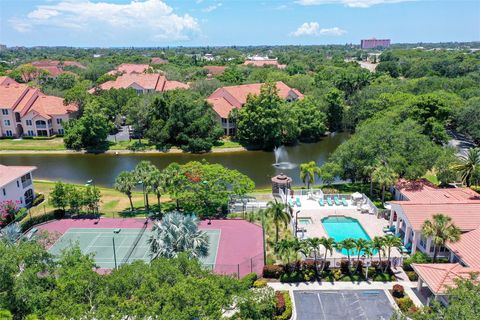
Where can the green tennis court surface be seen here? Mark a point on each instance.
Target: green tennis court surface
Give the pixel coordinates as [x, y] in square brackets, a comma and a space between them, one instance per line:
[130, 245]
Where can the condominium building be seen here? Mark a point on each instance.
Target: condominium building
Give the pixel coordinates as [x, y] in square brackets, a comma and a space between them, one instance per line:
[26, 111]
[374, 43]
[16, 184]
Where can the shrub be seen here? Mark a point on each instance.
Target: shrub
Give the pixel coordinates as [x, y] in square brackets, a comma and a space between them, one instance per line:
[39, 198]
[249, 279]
[280, 303]
[384, 277]
[345, 266]
[292, 277]
[38, 219]
[398, 291]
[417, 257]
[287, 313]
[308, 265]
[260, 283]
[412, 275]
[22, 213]
[405, 304]
[273, 271]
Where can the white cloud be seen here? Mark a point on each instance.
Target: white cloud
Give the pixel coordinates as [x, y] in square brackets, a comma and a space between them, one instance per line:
[349, 3]
[152, 19]
[212, 7]
[313, 29]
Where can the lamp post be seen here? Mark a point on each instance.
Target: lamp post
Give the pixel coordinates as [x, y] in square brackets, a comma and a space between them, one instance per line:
[116, 231]
[144, 197]
[263, 235]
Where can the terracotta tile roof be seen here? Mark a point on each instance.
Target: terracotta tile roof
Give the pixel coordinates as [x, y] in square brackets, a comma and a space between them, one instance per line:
[11, 94]
[468, 248]
[156, 60]
[130, 68]
[57, 63]
[225, 99]
[215, 70]
[147, 81]
[262, 63]
[6, 80]
[441, 276]
[422, 191]
[11, 173]
[48, 106]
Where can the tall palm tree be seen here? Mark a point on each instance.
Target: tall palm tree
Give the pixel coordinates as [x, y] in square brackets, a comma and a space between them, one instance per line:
[328, 244]
[384, 176]
[314, 244]
[468, 165]
[287, 250]
[347, 244]
[360, 244]
[125, 183]
[142, 172]
[377, 244]
[172, 181]
[441, 230]
[177, 233]
[308, 172]
[279, 215]
[156, 182]
[390, 242]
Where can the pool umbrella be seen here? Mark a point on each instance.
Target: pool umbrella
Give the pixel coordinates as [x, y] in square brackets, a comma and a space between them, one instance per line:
[357, 196]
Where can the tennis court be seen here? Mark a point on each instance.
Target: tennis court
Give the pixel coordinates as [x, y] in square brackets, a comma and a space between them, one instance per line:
[130, 244]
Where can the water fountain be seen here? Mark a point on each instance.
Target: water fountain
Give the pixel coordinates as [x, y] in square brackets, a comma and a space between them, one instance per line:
[281, 159]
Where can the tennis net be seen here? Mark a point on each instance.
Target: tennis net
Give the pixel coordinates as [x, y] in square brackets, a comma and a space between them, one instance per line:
[135, 243]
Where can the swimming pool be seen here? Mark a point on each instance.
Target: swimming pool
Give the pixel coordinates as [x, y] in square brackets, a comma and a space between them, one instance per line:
[341, 228]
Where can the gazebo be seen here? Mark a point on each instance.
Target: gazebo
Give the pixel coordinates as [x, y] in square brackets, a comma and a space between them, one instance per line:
[281, 182]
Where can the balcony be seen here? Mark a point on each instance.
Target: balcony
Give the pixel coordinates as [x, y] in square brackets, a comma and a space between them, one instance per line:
[41, 126]
[26, 183]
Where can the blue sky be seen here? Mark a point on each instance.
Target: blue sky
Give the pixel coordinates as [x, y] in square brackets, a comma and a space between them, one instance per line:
[109, 23]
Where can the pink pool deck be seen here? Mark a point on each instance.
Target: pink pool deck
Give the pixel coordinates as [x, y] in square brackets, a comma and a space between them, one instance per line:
[240, 248]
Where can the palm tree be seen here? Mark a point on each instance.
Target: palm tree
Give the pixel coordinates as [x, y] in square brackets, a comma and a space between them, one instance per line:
[377, 244]
[468, 165]
[441, 230]
[156, 182]
[178, 233]
[142, 172]
[125, 183]
[287, 249]
[279, 214]
[390, 242]
[314, 245]
[384, 176]
[172, 181]
[347, 244]
[307, 172]
[328, 244]
[360, 244]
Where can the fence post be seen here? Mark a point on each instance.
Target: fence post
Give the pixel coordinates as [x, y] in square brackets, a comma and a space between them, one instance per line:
[238, 271]
[251, 265]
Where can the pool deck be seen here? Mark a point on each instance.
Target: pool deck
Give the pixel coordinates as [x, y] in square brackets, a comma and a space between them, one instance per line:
[372, 225]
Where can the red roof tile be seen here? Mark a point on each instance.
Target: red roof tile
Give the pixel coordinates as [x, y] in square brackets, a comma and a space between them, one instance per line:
[225, 99]
[424, 192]
[441, 276]
[147, 81]
[130, 68]
[215, 70]
[11, 173]
[262, 63]
[156, 60]
[468, 248]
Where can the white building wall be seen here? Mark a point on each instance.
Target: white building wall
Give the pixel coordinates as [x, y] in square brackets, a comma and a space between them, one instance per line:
[15, 191]
[10, 117]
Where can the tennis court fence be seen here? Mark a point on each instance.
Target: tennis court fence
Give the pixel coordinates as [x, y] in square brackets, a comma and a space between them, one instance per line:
[239, 270]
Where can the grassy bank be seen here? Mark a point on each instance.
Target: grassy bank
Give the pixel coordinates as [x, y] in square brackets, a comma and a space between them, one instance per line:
[56, 144]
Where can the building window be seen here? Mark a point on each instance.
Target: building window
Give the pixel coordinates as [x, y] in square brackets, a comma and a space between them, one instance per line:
[28, 197]
[30, 133]
[18, 184]
[224, 121]
[61, 131]
[28, 122]
[59, 121]
[9, 133]
[41, 124]
[5, 112]
[7, 122]
[42, 133]
[4, 192]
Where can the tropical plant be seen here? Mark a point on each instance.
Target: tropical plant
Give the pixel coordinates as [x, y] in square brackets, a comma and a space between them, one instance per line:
[11, 233]
[360, 245]
[314, 244]
[308, 172]
[287, 250]
[441, 230]
[125, 183]
[277, 211]
[156, 182]
[328, 244]
[390, 242]
[384, 176]
[468, 165]
[347, 244]
[142, 173]
[377, 245]
[177, 233]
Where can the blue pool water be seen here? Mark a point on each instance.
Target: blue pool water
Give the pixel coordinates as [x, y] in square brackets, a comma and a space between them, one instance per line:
[341, 228]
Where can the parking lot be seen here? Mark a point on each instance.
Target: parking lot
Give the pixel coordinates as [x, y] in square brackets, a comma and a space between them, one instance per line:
[343, 305]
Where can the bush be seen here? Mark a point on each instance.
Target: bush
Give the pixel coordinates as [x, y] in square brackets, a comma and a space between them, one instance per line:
[292, 277]
[384, 277]
[398, 291]
[260, 283]
[39, 198]
[417, 257]
[287, 303]
[273, 271]
[22, 213]
[52, 215]
[249, 280]
[405, 304]
[280, 303]
[412, 275]
[345, 266]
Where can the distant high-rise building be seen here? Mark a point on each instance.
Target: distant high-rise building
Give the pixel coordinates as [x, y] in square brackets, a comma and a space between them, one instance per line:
[374, 43]
[3, 47]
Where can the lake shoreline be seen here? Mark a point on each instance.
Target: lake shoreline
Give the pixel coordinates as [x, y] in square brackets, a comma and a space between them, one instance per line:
[121, 152]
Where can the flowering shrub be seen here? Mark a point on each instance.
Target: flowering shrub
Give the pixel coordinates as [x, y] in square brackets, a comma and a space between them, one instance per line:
[8, 210]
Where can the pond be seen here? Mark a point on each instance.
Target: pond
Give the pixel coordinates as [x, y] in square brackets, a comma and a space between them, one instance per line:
[103, 168]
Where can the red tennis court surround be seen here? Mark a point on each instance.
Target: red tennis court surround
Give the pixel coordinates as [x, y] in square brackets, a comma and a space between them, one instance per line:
[240, 248]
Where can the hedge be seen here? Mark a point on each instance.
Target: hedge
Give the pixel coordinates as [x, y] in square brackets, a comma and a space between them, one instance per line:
[249, 280]
[40, 197]
[284, 297]
[52, 215]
